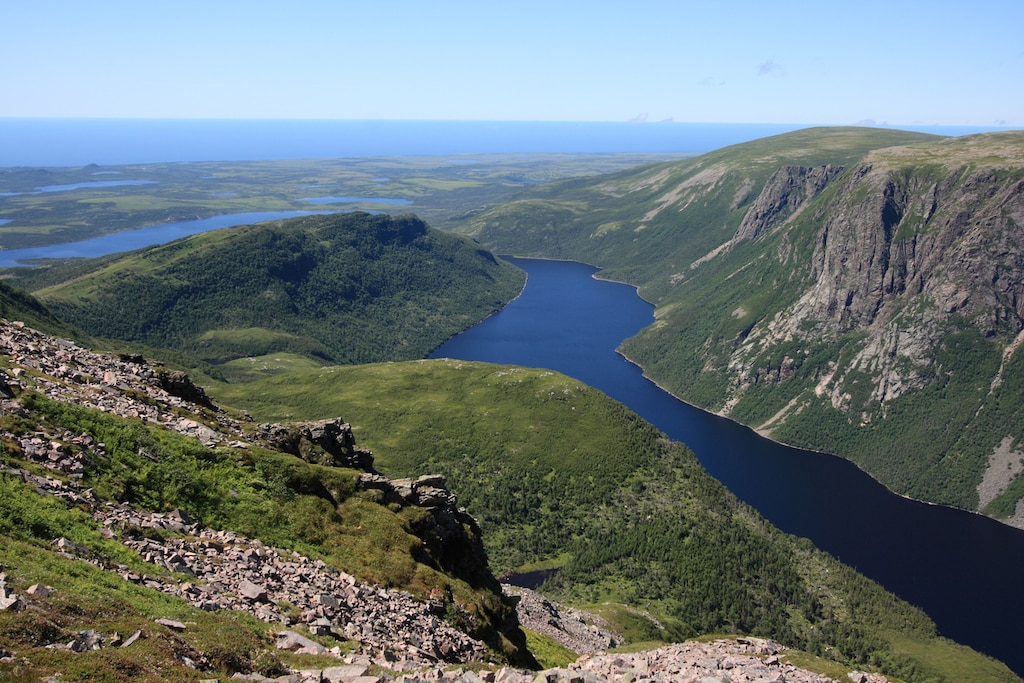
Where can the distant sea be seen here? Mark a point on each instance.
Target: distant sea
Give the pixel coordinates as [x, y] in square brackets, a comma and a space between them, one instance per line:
[78, 142]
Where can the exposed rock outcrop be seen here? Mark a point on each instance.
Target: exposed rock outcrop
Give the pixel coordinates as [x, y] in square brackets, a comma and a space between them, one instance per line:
[898, 255]
[784, 196]
[579, 631]
[324, 442]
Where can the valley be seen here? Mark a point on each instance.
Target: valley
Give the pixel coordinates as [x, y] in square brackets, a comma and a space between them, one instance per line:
[761, 314]
[842, 290]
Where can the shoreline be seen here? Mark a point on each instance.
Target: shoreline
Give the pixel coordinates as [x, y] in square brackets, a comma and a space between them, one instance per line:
[814, 451]
[761, 433]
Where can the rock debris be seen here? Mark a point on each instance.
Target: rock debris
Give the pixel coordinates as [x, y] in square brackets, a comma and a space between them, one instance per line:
[401, 638]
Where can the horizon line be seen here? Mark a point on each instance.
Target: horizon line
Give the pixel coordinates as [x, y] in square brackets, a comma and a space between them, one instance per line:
[865, 123]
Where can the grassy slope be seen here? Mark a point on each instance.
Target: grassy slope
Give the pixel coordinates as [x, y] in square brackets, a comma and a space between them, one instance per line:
[16, 304]
[649, 226]
[344, 288]
[277, 498]
[560, 475]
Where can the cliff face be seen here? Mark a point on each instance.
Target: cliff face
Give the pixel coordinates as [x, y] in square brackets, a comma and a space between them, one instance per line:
[783, 197]
[897, 255]
[900, 278]
[857, 291]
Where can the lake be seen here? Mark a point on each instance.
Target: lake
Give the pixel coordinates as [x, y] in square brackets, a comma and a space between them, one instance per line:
[961, 568]
[129, 240]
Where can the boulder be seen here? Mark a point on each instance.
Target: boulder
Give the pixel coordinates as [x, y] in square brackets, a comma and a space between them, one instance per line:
[295, 642]
[251, 591]
[323, 442]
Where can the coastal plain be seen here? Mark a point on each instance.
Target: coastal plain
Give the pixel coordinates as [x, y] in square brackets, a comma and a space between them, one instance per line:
[98, 200]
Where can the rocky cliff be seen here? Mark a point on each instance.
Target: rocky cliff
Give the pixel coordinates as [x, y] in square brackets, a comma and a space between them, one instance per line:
[908, 253]
[851, 290]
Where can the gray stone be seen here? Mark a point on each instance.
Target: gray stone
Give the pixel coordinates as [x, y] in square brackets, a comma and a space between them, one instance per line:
[290, 640]
[343, 674]
[171, 624]
[329, 601]
[250, 590]
[132, 638]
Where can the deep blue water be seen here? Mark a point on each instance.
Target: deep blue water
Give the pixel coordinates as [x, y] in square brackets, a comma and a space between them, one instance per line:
[77, 142]
[963, 569]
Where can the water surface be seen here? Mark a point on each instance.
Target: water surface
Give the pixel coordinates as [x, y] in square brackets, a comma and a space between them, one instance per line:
[961, 568]
[142, 237]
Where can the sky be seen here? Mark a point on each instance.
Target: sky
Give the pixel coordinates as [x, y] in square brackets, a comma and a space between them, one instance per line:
[891, 62]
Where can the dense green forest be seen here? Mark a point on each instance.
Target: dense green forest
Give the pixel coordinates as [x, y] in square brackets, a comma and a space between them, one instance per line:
[344, 288]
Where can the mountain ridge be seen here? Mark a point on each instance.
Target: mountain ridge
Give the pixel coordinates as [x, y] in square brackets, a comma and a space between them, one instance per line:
[826, 287]
[352, 287]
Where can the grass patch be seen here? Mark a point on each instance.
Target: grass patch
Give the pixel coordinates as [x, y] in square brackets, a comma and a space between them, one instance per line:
[549, 653]
[87, 598]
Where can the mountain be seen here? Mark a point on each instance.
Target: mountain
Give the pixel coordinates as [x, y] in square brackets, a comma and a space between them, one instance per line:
[852, 290]
[561, 477]
[132, 504]
[343, 288]
[147, 532]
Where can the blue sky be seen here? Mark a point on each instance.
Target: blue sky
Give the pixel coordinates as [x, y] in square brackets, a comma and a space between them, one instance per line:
[893, 62]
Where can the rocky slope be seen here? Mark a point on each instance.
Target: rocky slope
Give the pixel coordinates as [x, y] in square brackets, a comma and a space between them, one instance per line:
[385, 630]
[224, 570]
[843, 289]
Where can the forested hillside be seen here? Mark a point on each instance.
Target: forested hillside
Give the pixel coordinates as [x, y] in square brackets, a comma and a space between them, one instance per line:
[344, 288]
[851, 290]
[560, 476]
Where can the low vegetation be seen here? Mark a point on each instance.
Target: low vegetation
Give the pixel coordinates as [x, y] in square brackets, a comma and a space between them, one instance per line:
[561, 476]
[436, 188]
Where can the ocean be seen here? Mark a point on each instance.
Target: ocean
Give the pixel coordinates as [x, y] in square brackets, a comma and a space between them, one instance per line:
[79, 142]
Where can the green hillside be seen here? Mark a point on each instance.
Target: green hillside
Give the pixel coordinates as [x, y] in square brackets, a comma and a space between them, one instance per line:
[17, 304]
[842, 289]
[343, 288]
[650, 223]
[560, 476]
[126, 498]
